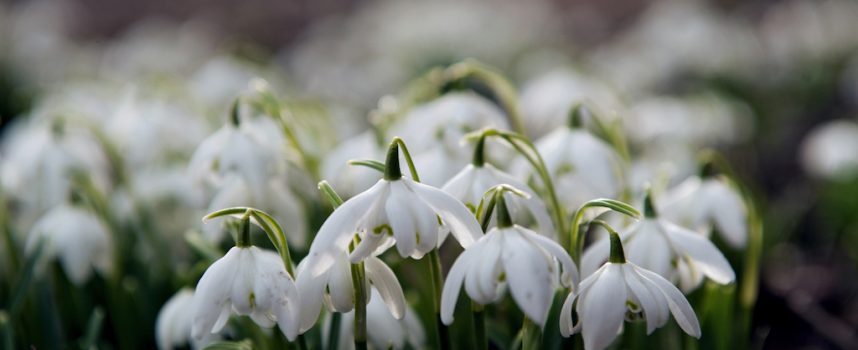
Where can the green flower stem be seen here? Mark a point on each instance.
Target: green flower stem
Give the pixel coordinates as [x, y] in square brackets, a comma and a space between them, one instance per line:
[479, 316]
[359, 286]
[242, 240]
[576, 239]
[479, 152]
[749, 287]
[531, 335]
[334, 333]
[408, 159]
[438, 283]
[7, 336]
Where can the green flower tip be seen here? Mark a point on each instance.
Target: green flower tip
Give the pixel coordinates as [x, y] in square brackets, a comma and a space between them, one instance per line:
[649, 207]
[576, 116]
[618, 256]
[392, 171]
[479, 151]
[235, 112]
[503, 217]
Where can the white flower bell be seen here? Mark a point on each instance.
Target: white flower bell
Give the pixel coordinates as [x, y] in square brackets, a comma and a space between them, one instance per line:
[387, 331]
[667, 249]
[78, 238]
[246, 281]
[395, 208]
[472, 182]
[704, 203]
[514, 255]
[583, 166]
[334, 285]
[173, 325]
[619, 289]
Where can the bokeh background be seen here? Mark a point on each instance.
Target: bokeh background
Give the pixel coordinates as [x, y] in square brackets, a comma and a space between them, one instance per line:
[771, 84]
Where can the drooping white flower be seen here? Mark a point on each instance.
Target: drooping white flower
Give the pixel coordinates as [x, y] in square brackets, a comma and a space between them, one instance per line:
[673, 252]
[395, 207]
[472, 182]
[247, 281]
[514, 255]
[620, 288]
[386, 332]
[78, 238]
[276, 199]
[334, 285]
[234, 149]
[582, 165]
[173, 325]
[704, 203]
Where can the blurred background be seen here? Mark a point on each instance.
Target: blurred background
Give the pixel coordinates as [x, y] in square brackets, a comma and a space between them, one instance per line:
[771, 84]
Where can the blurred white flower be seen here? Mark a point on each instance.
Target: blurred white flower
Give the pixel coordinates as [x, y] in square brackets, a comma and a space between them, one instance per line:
[275, 199]
[334, 285]
[470, 184]
[707, 203]
[547, 99]
[247, 281]
[387, 332]
[828, 152]
[581, 165]
[77, 238]
[39, 159]
[347, 179]
[622, 290]
[173, 325]
[705, 120]
[669, 250]
[514, 255]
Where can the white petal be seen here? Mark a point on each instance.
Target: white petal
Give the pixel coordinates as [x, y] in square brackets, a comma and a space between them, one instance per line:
[400, 219]
[453, 284]
[654, 306]
[210, 298]
[702, 252]
[341, 225]
[453, 213]
[595, 256]
[340, 286]
[528, 272]
[460, 185]
[566, 326]
[569, 277]
[602, 308]
[481, 279]
[650, 249]
[311, 289]
[427, 227]
[728, 212]
[242, 286]
[385, 282]
[679, 306]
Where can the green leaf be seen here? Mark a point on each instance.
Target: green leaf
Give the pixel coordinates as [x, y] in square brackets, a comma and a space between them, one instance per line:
[369, 163]
[614, 205]
[93, 329]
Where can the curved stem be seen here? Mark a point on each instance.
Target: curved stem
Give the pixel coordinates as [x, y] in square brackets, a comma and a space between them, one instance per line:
[576, 240]
[408, 160]
[243, 238]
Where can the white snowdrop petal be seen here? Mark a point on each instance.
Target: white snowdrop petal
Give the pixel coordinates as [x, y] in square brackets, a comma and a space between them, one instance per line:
[386, 285]
[426, 226]
[729, 213]
[602, 308]
[368, 245]
[453, 213]
[460, 185]
[340, 286]
[569, 277]
[341, 224]
[648, 302]
[453, 284]
[311, 290]
[650, 249]
[702, 252]
[528, 274]
[288, 313]
[482, 277]
[400, 219]
[595, 256]
[566, 326]
[242, 295]
[211, 297]
[679, 306]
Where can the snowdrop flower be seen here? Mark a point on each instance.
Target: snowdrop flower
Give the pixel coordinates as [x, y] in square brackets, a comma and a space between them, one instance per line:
[246, 281]
[173, 325]
[583, 166]
[235, 148]
[514, 255]
[395, 208]
[275, 198]
[387, 332]
[38, 160]
[334, 285]
[621, 290]
[78, 238]
[471, 183]
[827, 151]
[702, 203]
[667, 249]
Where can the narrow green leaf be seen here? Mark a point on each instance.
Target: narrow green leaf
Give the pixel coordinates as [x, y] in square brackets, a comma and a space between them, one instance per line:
[369, 163]
[93, 329]
[231, 345]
